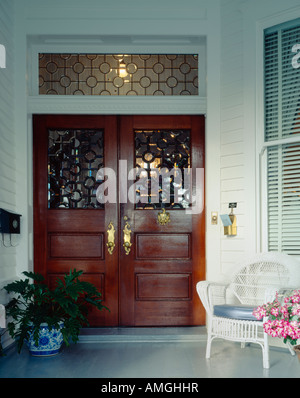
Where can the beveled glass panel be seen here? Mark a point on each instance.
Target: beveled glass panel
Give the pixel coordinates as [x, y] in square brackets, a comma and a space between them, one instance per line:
[163, 164]
[118, 74]
[74, 158]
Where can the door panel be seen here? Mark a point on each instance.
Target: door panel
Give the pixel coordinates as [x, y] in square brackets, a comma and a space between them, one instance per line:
[74, 237]
[167, 246]
[162, 286]
[159, 275]
[76, 246]
[152, 282]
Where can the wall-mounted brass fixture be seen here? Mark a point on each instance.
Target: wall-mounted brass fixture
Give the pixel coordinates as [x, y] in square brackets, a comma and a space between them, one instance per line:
[214, 217]
[229, 221]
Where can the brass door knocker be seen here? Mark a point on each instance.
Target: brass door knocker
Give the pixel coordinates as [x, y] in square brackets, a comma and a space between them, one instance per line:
[163, 217]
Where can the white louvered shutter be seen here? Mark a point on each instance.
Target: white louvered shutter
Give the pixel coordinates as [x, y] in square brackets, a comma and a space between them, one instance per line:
[282, 122]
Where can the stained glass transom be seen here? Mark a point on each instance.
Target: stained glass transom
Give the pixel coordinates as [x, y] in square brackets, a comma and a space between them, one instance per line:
[122, 74]
[74, 157]
[163, 163]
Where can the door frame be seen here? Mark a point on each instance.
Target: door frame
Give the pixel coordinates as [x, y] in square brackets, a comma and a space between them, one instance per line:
[107, 105]
[200, 234]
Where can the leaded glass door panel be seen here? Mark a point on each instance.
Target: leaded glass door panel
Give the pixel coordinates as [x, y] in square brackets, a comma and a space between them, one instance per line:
[74, 158]
[70, 225]
[167, 253]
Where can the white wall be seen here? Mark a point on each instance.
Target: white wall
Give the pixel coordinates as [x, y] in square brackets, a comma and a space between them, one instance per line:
[7, 138]
[232, 156]
[8, 153]
[241, 128]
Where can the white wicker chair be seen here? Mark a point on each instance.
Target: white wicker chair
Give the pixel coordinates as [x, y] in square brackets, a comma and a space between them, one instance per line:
[256, 282]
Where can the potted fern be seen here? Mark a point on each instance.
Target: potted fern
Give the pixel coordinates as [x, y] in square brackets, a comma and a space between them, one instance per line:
[45, 318]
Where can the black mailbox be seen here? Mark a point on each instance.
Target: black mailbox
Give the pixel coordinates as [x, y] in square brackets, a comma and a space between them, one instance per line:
[9, 222]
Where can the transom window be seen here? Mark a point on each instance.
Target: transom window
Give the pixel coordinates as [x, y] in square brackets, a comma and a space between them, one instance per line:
[118, 74]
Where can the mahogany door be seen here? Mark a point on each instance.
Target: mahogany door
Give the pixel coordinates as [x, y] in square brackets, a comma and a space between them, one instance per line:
[69, 224]
[159, 274]
[151, 281]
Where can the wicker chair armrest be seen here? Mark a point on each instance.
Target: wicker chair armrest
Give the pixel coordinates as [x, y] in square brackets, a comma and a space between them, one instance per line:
[211, 293]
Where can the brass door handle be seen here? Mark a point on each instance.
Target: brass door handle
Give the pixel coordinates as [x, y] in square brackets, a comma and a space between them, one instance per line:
[127, 238]
[110, 238]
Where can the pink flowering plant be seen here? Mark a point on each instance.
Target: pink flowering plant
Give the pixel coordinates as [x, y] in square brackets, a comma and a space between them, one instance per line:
[282, 320]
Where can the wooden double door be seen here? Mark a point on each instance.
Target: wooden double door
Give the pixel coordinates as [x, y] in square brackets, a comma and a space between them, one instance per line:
[108, 201]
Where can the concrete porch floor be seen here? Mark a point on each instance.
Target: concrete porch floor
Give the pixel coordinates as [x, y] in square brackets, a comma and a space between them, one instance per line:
[150, 353]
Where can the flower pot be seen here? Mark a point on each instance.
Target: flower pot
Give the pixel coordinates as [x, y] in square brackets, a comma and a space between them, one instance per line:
[50, 341]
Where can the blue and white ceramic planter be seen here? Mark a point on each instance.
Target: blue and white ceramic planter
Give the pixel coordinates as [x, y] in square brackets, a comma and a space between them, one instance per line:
[50, 341]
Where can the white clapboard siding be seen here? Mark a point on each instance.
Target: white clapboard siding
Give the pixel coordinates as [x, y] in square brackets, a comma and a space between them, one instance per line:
[7, 138]
[232, 122]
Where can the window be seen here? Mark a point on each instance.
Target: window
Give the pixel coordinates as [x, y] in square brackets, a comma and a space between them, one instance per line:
[164, 158]
[74, 158]
[118, 74]
[282, 136]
